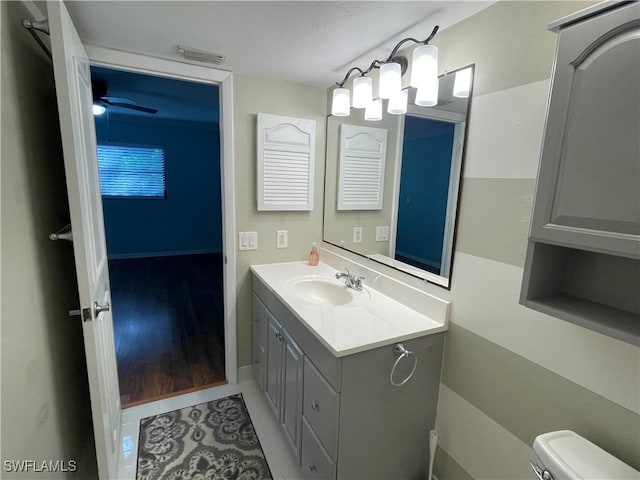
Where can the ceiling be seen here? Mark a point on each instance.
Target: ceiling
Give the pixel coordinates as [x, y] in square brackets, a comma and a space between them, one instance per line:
[308, 42]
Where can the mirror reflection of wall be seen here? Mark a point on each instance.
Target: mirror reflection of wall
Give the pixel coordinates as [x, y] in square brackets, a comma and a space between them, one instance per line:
[414, 229]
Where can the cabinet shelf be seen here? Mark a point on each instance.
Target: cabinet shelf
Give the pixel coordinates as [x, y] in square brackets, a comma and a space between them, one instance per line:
[591, 289]
[601, 318]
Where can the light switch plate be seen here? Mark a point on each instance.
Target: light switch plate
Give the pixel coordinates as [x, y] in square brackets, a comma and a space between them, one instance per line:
[357, 234]
[282, 239]
[382, 233]
[248, 240]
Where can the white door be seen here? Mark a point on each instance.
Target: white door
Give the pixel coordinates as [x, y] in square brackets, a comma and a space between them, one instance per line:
[73, 89]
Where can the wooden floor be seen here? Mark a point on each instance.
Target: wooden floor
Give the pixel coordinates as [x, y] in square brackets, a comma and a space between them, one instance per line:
[168, 319]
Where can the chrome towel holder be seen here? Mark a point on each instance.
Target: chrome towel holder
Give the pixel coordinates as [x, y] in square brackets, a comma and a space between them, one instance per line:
[400, 350]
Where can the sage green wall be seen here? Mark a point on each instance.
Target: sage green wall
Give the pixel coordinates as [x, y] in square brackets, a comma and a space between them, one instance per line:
[44, 394]
[252, 95]
[511, 373]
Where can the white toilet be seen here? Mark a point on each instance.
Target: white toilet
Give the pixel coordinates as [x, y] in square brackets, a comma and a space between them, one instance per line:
[565, 455]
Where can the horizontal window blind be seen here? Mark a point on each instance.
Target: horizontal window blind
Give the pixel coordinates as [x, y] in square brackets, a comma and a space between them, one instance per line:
[131, 171]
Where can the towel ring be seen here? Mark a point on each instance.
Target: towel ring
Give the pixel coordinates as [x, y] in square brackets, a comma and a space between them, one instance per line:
[398, 348]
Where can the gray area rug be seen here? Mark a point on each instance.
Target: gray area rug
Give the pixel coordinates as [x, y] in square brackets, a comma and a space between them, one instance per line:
[210, 441]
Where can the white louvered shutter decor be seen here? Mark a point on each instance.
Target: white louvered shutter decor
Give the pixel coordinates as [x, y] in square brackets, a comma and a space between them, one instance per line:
[363, 153]
[286, 162]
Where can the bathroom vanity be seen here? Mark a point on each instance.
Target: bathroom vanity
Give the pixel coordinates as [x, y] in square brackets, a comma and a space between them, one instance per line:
[323, 355]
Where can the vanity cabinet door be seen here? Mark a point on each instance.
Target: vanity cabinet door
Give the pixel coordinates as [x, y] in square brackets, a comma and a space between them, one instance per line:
[259, 341]
[292, 393]
[274, 363]
[588, 192]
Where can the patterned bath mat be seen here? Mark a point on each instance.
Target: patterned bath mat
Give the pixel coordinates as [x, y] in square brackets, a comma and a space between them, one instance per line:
[212, 440]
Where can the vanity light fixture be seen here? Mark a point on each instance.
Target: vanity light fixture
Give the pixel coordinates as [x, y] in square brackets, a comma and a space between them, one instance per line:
[362, 92]
[427, 95]
[341, 104]
[462, 83]
[398, 103]
[390, 80]
[423, 72]
[424, 67]
[373, 112]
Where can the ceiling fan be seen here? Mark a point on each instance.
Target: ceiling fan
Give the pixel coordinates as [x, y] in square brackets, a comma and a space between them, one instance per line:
[101, 101]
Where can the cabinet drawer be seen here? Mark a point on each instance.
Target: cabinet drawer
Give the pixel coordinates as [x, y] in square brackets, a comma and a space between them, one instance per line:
[321, 408]
[316, 464]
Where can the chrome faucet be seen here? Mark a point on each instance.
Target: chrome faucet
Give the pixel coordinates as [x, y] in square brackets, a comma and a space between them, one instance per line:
[350, 280]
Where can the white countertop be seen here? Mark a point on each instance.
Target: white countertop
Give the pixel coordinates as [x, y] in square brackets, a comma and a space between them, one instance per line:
[371, 320]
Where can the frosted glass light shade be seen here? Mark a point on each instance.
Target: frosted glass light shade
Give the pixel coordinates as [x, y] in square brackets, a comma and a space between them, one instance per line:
[341, 103]
[427, 95]
[398, 103]
[99, 109]
[390, 80]
[373, 111]
[362, 92]
[462, 83]
[424, 65]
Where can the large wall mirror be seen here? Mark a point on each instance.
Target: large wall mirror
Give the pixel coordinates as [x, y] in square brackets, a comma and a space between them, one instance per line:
[392, 186]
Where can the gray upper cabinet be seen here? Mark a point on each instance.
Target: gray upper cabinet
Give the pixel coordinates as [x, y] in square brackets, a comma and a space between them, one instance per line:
[588, 192]
[583, 254]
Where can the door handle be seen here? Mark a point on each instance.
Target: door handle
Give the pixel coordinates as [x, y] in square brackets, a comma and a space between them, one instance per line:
[98, 309]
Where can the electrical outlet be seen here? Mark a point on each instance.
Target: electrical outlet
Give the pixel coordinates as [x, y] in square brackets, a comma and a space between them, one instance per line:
[248, 240]
[282, 239]
[357, 234]
[382, 234]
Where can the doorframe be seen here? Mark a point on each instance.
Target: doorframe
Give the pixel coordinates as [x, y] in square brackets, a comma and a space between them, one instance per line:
[133, 62]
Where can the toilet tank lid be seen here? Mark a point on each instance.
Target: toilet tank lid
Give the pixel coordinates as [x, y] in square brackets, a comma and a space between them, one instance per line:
[568, 455]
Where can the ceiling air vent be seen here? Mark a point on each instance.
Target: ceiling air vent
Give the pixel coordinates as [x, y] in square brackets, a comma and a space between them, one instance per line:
[189, 53]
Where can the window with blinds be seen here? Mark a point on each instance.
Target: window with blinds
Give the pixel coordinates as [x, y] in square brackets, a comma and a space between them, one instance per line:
[131, 171]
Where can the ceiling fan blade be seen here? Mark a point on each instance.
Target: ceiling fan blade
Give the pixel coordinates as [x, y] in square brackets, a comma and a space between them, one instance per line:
[131, 107]
[111, 98]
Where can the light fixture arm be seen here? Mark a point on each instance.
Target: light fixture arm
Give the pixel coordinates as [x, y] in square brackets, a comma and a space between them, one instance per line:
[409, 39]
[390, 58]
[374, 64]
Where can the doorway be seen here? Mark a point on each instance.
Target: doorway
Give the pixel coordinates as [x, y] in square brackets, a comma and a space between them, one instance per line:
[160, 176]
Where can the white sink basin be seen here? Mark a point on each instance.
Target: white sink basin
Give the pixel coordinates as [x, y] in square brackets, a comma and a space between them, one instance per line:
[321, 291]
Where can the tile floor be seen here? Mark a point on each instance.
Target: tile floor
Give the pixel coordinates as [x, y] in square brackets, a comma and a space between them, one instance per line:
[278, 453]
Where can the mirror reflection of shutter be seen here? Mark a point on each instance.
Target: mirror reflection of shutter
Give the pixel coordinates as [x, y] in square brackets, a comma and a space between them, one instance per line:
[363, 153]
[286, 159]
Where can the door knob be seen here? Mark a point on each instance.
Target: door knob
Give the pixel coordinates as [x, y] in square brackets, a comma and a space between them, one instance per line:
[98, 309]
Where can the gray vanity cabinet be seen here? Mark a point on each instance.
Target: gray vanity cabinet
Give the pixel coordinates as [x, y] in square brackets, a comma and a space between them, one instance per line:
[583, 255]
[292, 368]
[278, 368]
[259, 342]
[588, 192]
[341, 415]
[273, 387]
